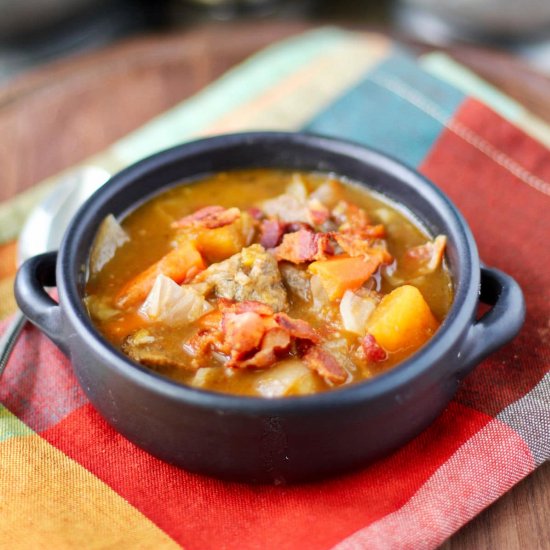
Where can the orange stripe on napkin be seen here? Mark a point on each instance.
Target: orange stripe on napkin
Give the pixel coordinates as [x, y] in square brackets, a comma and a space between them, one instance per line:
[8, 253]
[8, 267]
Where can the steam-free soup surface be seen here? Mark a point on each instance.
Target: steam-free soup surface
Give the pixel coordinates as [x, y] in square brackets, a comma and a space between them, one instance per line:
[268, 282]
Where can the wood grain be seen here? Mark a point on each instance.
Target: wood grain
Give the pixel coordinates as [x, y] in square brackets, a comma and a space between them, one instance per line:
[57, 116]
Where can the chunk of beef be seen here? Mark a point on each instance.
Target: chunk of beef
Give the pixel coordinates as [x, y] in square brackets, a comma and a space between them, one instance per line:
[296, 280]
[252, 274]
[148, 347]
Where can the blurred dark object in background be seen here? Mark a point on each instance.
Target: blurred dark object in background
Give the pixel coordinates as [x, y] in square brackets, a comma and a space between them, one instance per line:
[359, 11]
[185, 11]
[478, 20]
[33, 32]
[521, 27]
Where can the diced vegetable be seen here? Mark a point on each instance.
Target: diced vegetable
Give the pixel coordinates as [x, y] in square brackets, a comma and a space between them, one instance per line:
[290, 377]
[180, 264]
[125, 324]
[329, 193]
[173, 304]
[110, 236]
[356, 310]
[100, 308]
[286, 208]
[402, 321]
[205, 376]
[220, 243]
[297, 187]
[343, 273]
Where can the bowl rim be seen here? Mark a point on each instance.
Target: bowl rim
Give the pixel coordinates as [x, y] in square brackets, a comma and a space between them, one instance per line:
[393, 380]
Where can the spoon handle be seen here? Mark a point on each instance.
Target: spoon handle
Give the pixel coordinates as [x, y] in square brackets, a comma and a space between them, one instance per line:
[7, 342]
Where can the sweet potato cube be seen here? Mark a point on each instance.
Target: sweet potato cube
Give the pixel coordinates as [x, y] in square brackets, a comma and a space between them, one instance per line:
[220, 243]
[343, 273]
[402, 321]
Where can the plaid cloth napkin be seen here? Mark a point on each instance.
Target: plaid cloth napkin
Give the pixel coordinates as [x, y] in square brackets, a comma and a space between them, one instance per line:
[67, 479]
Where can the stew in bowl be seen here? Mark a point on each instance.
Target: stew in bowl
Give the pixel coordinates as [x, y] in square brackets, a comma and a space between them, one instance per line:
[268, 282]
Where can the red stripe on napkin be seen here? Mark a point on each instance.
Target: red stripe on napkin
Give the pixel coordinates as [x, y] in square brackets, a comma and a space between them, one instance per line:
[491, 186]
[485, 467]
[200, 512]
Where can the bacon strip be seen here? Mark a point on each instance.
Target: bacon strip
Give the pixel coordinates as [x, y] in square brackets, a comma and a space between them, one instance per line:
[250, 334]
[354, 245]
[271, 233]
[373, 351]
[317, 211]
[243, 333]
[350, 216]
[429, 254]
[276, 340]
[321, 361]
[241, 307]
[304, 246]
[209, 217]
[292, 227]
[256, 213]
[297, 328]
[202, 343]
[354, 221]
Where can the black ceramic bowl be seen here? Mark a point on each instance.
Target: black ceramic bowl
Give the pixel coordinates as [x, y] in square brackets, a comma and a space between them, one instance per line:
[285, 439]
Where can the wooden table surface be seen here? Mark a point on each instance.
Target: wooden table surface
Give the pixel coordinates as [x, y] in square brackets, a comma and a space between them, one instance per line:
[59, 115]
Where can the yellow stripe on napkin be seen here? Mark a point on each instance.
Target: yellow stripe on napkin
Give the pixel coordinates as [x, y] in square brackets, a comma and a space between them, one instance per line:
[56, 503]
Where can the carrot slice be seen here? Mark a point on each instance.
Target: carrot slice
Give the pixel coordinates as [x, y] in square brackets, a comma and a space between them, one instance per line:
[343, 273]
[120, 327]
[180, 264]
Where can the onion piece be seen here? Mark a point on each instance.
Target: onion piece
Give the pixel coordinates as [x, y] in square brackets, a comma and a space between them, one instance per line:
[297, 188]
[356, 310]
[110, 236]
[287, 377]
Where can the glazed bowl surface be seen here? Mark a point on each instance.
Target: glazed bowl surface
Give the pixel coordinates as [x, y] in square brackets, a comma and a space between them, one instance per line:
[284, 439]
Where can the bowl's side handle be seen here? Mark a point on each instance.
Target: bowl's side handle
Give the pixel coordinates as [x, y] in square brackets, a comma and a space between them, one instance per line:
[497, 326]
[38, 306]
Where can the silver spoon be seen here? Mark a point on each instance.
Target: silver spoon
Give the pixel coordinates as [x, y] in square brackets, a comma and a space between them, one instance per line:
[44, 230]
